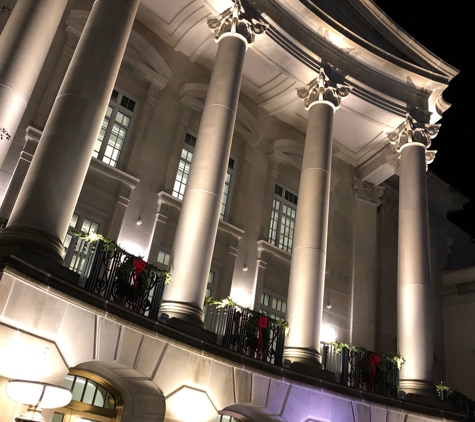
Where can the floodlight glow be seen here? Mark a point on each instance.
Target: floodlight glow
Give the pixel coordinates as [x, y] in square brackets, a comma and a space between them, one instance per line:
[38, 394]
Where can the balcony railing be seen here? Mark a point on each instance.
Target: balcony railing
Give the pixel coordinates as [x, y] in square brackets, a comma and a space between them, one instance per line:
[247, 332]
[458, 402]
[361, 369]
[110, 273]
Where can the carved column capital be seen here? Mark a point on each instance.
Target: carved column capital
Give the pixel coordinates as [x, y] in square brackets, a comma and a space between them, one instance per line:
[233, 22]
[322, 88]
[367, 191]
[411, 131]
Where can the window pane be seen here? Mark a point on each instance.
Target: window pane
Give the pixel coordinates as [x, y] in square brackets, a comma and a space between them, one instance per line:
[89, 392]
[57, 417]
[110, 402]
[68, 382]
[78, 388]
[211, 277]
[100, 396]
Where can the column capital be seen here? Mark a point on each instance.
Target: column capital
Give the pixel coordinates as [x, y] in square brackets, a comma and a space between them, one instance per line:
[367, 192]
[323, 89]
[233, 23]
[412, 131]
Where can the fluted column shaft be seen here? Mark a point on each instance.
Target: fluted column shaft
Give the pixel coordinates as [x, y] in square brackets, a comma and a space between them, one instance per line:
[198, 223]
[24, 44]
[41, 215]
[415, 337]
[307, 271]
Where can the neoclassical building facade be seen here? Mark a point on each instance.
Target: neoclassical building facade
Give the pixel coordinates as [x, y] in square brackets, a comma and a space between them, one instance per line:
[275, 152]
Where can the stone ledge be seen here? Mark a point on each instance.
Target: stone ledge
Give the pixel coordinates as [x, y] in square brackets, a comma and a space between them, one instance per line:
[21, 266]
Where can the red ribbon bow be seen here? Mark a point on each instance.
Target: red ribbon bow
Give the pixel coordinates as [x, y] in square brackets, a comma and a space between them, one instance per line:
[139, 265]
[374, 360]
[261, 323]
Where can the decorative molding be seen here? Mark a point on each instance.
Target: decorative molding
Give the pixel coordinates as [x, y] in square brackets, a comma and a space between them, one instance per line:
[322, 88]
[367, 192]
[266, 247]
[412, 131]
[233, 21]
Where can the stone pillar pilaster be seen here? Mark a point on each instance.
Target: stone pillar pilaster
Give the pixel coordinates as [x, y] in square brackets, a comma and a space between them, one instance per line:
[117, 217]
[307, 272]
[24, 44]
[47, 199]
[365, 267]
[415, 337]
[196, 231]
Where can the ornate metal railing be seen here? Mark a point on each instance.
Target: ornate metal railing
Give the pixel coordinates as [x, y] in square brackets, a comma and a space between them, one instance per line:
[459, 403]
[238, 330]
[113, 277]
[354, 368]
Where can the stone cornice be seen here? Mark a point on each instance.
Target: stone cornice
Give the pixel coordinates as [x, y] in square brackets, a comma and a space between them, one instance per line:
[263, 246]
[306, 38]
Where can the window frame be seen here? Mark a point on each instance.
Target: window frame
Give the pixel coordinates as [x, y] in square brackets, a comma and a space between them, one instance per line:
[269, 310]
[230, 171]
[76, 246]
[275, 225]
[116, 108]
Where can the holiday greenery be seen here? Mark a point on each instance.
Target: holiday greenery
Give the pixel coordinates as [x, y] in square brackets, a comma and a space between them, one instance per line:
[446, 393]
[133, 274]
[230, 302]
[383, 357]
[372, 366]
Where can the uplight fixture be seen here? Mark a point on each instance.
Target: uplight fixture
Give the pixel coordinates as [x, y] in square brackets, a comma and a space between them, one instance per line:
[37, 396]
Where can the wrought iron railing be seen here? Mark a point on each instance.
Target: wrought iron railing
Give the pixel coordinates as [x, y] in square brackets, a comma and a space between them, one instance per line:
[238, 330]
[459, 403]
[111, 280]
[354, 368]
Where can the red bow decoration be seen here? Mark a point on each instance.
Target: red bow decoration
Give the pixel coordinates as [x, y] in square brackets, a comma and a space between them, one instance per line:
[261, 323]
[139, 265]
[374, 360]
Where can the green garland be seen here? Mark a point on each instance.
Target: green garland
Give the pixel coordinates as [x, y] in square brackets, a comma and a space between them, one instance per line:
[452, 395]
[392, 358]
[230, 302]
[368, 359]
[124, 282]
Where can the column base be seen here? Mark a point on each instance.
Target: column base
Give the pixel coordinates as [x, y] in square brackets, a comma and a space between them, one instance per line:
[302, 356]
[183, 311]
[420, 388]
[16, 235]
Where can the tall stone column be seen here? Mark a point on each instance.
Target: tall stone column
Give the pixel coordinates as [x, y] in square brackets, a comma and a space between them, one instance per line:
[307, 270]
[24, 44]
[196, 231]
[414, 334]
[47, 199]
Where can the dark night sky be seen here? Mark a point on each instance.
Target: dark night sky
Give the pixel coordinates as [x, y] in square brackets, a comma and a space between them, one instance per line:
[444, 30]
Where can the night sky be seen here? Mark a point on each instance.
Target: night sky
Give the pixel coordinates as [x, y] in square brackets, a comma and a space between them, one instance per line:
[446, 32]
